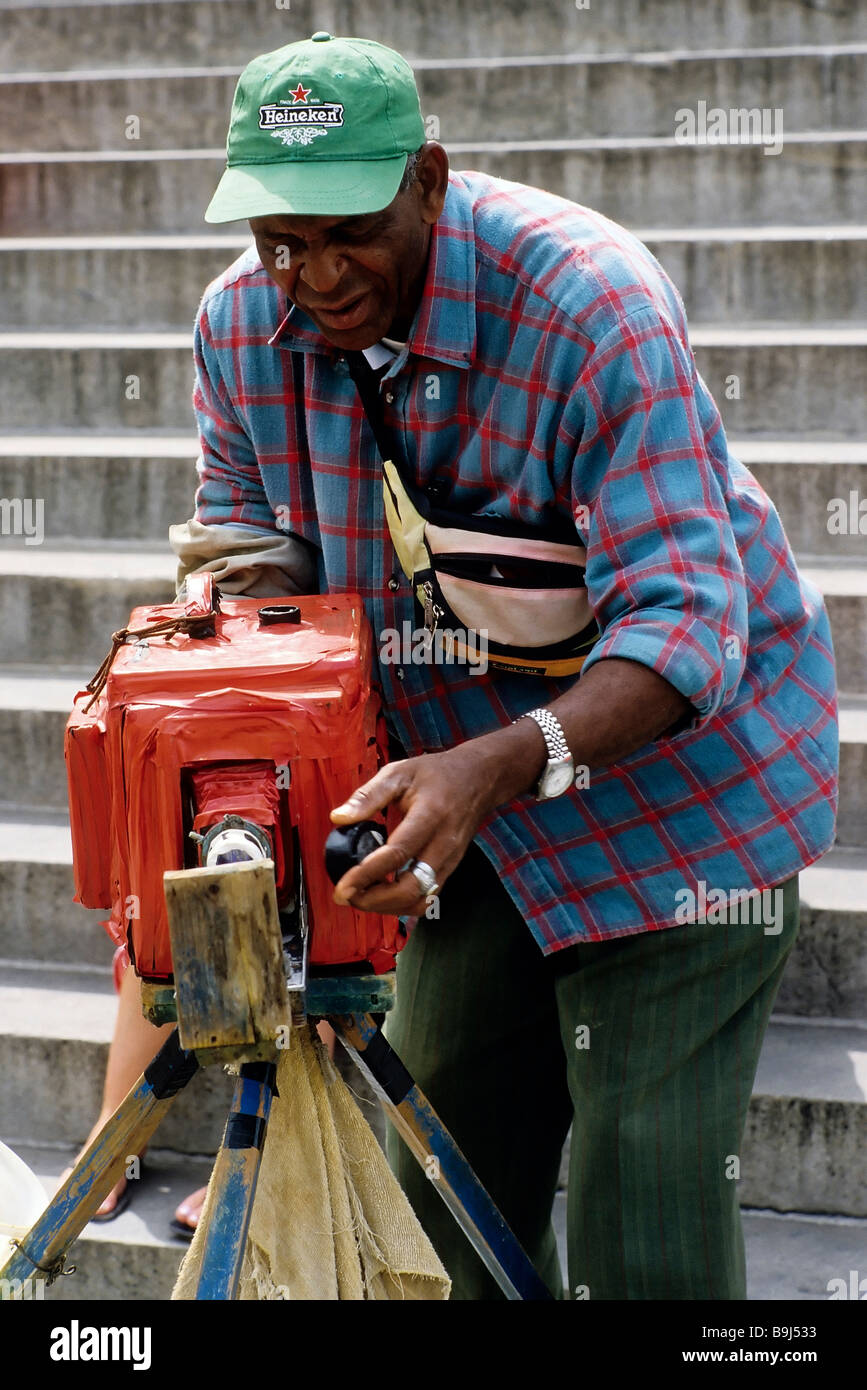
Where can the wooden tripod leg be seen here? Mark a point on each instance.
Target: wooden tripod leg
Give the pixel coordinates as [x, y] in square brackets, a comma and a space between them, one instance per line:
[233, 1182]
[43, 1250]
[430, 1142]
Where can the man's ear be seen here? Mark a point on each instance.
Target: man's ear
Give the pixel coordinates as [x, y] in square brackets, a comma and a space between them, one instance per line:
[432, 180]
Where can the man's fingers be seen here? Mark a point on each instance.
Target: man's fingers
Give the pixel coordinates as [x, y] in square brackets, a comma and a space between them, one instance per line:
[404, 897]
[388, 784]
[413, 838]
[399, 899]
[374, 869]
[432, 830]
[368, 889]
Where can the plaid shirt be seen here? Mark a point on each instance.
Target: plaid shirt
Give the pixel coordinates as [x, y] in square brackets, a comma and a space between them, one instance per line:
[548, 370]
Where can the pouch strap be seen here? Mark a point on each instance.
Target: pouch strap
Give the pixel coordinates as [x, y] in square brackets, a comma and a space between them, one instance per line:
[367, 381]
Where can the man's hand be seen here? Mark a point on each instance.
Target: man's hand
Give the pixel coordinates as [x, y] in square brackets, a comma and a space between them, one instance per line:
[616, 708]
[443, 798]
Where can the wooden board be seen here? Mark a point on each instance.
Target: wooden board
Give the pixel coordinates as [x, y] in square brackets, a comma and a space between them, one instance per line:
[227, 951]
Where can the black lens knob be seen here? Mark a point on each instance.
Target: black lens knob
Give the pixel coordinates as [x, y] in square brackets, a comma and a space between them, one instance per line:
[347, 845]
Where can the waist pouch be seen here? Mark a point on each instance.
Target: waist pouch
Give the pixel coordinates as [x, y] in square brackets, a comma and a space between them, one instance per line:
[493, 587]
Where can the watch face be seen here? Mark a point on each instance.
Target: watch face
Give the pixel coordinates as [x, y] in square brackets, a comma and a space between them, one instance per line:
[556, 779]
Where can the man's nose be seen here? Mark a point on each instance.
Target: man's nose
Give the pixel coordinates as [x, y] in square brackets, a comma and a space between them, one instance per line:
[321, 270]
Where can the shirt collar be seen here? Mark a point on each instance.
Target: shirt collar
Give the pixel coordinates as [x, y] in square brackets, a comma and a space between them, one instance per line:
[444, 327]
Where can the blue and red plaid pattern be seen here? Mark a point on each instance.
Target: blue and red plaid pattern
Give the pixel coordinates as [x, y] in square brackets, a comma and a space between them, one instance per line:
[548, 371]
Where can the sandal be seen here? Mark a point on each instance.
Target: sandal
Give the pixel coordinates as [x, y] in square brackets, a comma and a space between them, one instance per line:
[122, 1201]
[120, 1206]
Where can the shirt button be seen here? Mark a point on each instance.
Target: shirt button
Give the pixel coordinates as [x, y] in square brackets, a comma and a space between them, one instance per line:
[389, 396]
[399, 673]
[436, 490]
[394, 583]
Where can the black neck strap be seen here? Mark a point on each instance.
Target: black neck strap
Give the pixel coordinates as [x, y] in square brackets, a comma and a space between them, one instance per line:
[367, 382]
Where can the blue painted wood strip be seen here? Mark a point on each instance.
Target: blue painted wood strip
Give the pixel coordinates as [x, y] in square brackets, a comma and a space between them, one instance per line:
[427, 1137]
[233, 1186]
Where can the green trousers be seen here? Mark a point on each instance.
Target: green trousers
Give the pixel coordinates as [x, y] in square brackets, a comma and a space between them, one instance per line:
[647, 1045]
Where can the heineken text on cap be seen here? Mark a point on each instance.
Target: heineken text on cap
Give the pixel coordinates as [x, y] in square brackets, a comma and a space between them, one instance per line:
[320, 127]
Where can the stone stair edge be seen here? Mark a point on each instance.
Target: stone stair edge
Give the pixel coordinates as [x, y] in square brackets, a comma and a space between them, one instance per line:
[494, 147]
[167, 1168]
[778, 334]
[74, 1015]
[86, 445]
[673, 184]
[149, 443]
[819, 882]
[843, 575]
[573, 58]
[198, 240]
[72, 7]
[48, 688]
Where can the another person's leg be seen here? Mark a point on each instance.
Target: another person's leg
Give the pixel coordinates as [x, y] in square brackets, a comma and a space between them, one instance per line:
[663, 1033]
[134, 1043]
[476, 1024]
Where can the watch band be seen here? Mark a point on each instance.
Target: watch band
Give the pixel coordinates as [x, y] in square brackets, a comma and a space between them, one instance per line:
[552, 732]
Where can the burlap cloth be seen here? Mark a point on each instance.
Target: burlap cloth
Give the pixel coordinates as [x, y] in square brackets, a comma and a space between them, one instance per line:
[329, 1220]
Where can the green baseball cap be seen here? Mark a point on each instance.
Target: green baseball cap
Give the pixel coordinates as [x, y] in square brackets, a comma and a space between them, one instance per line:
[320, 127]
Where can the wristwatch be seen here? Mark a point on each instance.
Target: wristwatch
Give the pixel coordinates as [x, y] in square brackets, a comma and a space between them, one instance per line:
[559, 772]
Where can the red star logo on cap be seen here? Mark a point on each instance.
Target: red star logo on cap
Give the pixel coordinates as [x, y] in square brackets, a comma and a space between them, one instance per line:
[300, 93]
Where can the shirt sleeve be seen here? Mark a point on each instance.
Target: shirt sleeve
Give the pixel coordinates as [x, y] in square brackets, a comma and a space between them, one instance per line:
[230, 481]
[664, 576]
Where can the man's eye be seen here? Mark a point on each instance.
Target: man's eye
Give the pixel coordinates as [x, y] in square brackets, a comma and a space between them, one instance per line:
[356, 235]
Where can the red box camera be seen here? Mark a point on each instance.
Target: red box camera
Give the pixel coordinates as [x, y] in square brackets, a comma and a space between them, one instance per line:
[271, 718]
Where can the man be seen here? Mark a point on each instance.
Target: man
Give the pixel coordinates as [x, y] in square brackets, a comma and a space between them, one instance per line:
[589, 959]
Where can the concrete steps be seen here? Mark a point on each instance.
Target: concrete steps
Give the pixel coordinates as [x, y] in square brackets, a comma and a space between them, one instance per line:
[39, 921]
[747, 274]
[133, 380]
[169, 33]
[64, 282]
[805, 1133]
[826, 974]
[744, 275]
[496, 99]
[103, 258]
[100, 380]
[803, 477]
[34, 710]
[794, 1258]
[123, 487]
[636, 180]
[132, 486]
[57, 1024]
[852, 813]
[65, 602]
[807, 1126]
